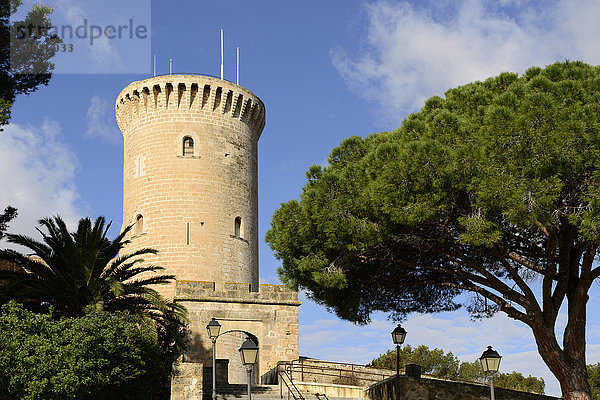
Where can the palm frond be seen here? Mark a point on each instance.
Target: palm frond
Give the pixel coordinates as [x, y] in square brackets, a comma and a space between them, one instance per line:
[121, 262]
[72, 270]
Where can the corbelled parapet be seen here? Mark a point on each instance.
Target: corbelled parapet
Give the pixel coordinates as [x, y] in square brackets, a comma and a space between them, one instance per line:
[171, 93]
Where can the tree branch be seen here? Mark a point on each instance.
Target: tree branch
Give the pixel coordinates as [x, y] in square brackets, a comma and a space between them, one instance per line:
[549, 309]
[542, 228]
[489, 281]
[595, 273]
[531, 302]
[516, 257]
[469, 286]
[492, 281]
[586, 265]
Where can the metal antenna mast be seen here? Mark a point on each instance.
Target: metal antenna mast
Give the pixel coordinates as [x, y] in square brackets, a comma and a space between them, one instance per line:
[221, 53]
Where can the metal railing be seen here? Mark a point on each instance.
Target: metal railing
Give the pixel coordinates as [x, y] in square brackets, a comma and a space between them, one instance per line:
[311, 370]
[286, 379]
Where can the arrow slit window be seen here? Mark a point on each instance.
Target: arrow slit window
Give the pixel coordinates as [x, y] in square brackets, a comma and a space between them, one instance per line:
[237, 227]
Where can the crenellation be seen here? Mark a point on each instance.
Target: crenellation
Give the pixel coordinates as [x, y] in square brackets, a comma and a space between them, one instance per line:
[205, 95]
[238, 103]
[247, 105]
[146, 98]
[180, 93]
[156, 91]
[133, 104]
[170, 98]
[192, 97]
[227, 104]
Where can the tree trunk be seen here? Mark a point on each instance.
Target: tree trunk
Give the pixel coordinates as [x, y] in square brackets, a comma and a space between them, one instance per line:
[567, 365]
[576, 386]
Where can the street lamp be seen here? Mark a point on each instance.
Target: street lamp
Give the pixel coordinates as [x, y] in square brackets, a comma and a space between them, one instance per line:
[249, 354]
[398, 336]
[213, 329]
[490, 362]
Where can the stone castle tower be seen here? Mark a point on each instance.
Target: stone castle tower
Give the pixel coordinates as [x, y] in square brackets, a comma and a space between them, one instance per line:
[190, 190]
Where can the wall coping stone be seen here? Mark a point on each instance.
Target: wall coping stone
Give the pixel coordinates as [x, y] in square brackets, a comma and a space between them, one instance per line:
[235, 292]
[426, 380]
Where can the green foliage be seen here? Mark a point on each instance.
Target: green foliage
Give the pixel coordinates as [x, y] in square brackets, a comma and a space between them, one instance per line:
[471, 371]
[447, 365]
[9, 214]
[432, 361]
[594, 380]
[75, 270]
[493, 166]
[25, 66]
[495, 163]
[492, 190]
[96, 356]
[516, 381]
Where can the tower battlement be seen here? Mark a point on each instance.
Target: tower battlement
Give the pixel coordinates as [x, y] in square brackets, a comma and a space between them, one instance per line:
[191, 94]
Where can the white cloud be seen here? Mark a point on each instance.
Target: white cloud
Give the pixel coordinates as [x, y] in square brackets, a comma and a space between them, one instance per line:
[592, 352]
[37, 176]
[100, 120]
[410, 53]
[341, 341]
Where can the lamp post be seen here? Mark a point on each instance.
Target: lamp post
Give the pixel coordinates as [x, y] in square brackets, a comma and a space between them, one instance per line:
[398, 336]
[213, 329]
[490, 362]
[249, 354]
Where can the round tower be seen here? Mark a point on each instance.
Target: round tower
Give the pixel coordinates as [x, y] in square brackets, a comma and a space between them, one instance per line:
[190, 175]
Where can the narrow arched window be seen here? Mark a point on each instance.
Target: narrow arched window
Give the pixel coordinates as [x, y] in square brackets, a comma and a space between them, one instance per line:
[139, 225]
[188, 146]
[237, 227]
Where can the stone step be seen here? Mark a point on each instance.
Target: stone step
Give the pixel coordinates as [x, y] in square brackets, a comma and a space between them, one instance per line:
[258, 393]
[263, 392]
[242, 389]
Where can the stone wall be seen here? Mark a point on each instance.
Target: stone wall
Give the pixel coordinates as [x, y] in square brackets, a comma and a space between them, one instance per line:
[187, 204]
[312, 370]
[187, 382]
[271, 313]
[190, 189]
[332, 391]
[433, 389]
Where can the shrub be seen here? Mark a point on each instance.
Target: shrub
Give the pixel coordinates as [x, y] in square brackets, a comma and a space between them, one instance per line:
[97, 356]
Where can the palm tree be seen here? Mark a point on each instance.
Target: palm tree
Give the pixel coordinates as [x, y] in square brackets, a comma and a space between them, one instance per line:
[73, 270]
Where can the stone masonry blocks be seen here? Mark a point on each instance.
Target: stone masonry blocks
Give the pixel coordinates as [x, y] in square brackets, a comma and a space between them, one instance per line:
[186, 204]
[271, 313]
[189, 203]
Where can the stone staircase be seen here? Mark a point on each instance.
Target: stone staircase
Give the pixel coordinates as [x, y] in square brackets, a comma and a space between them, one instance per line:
[239, 391]
[262, 392]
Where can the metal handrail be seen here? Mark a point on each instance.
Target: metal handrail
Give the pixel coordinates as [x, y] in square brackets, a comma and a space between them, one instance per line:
[283, 375]
[316, 367]
[311, 366]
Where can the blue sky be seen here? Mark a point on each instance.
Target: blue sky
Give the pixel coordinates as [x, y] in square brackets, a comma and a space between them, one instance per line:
[325, 70]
